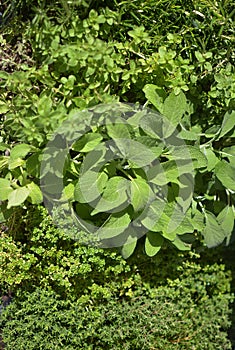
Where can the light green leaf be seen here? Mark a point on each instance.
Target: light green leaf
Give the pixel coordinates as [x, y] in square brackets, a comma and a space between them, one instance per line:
[188, 135]
[169, 171]
[151, 143]
[189, 152]
[179, 244]
[117, 131]
[174, 107]
[20, 151]
[87, 142]
[153, 214]
[3, 107]
[226, 220]
[152, 124]
[153, 243]
[17, 197]
[93, 159]
[198, 221]
[212, 131]
[229, 152]
[212, 160]
[90, 186]
[3, 162]
[182, 226]
[226, 174]
[227, 124]
[140, 193]
[128, 248]
[155, 95]
[68, 192]
[114, 194]
[167, 218]
[44, 106]
[114, 226]
[15, 163]
[3, 146]
[213, 233]
[35, 193]
[135, 153]
[5, 189]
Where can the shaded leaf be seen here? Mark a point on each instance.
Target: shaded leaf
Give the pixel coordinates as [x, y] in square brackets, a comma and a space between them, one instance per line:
[179, 244]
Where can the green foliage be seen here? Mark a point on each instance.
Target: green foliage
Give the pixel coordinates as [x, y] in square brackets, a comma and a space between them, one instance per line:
[61, 58]
[214, 181]
[84, 53]
[35, 253]
[189, 312]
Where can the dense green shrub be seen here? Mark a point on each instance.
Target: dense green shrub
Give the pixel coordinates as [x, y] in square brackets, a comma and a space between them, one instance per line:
[73, 297]
[35, 253]
[63, 56]
[185, 313]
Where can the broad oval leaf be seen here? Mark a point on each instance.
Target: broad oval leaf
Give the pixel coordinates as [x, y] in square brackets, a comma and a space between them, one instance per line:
[20, 151]
[87, 142]
[213, 232]
[35, 193]
[228, 123]
[155, 95]
[212, 160]
[114, 226]
[153, 243]
[90, 186]
[137, 154]
[174, 107]
[226, 220]
[117, 130]
[128, 248]
[114, 195]
[18, 196]
[140, 193]
[5, 189]
[226, 174]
